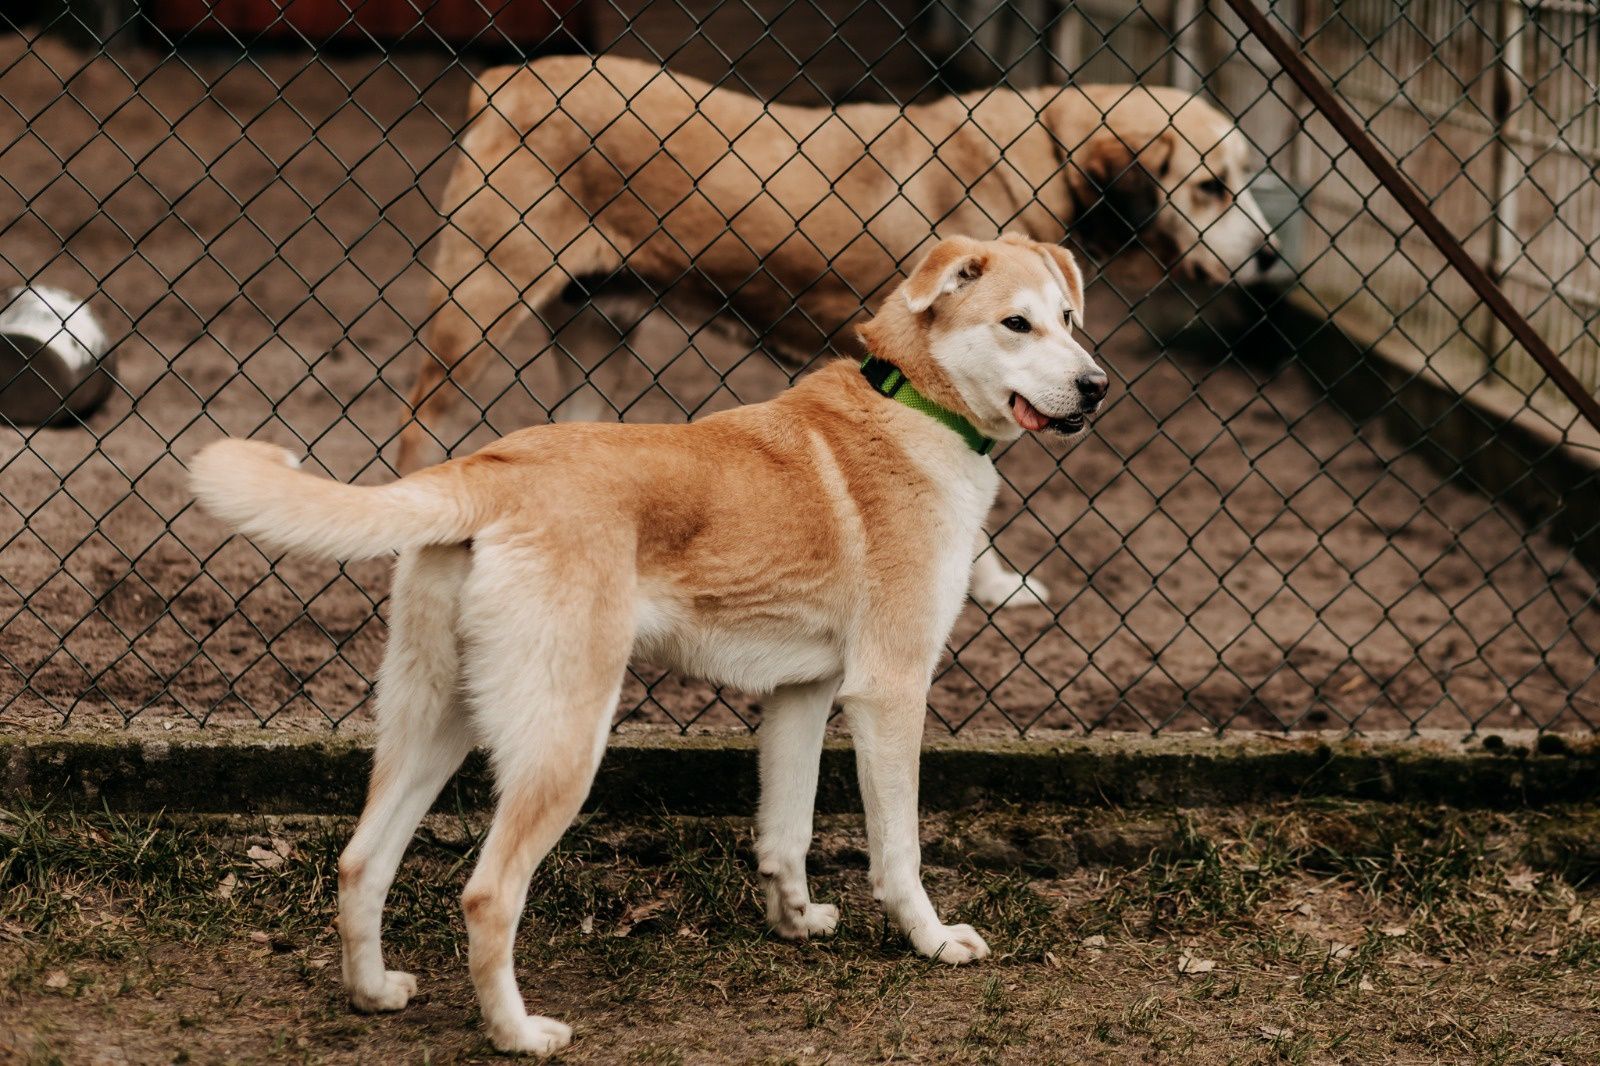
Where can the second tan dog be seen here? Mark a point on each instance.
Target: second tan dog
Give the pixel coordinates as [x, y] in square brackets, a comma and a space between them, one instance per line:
[616, 180]
[815, 547]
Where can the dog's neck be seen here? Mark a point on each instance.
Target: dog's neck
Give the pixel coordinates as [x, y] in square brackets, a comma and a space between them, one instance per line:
[890, 381]
[895, 335]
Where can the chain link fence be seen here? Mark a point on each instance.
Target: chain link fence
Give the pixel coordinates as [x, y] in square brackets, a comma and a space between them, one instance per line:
[1337, 497]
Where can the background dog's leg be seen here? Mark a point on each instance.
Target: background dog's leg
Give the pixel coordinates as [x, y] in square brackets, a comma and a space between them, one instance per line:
[547, 657]
[995, 585]
[790, 741]
[888, 736]
[422, 737]
[598, 334]
[475, 320]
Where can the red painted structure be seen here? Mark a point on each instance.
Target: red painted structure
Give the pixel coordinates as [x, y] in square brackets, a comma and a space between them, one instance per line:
[487, 22]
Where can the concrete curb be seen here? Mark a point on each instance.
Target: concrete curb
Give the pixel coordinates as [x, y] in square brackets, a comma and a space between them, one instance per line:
[256, 772]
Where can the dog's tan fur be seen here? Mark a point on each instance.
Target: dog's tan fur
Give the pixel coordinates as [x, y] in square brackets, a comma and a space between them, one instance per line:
[792, 218]
[815, 547]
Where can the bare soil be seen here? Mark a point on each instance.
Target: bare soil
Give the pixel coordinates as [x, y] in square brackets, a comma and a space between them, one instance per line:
[1329, 934]
[1224, 547]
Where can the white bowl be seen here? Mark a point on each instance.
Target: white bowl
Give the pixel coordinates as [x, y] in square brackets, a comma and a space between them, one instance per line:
[54, 363]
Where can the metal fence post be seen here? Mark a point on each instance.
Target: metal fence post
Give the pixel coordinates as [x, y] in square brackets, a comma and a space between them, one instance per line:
[1510, 90]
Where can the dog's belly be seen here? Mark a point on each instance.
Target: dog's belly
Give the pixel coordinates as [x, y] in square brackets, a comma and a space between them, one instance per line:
[758, 656]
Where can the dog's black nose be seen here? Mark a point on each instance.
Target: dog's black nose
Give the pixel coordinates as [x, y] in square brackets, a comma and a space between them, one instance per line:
[1266, 256]
[1092, 387]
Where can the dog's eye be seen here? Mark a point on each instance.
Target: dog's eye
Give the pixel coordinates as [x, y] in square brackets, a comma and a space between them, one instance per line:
[1017, 324]
[1214, 187]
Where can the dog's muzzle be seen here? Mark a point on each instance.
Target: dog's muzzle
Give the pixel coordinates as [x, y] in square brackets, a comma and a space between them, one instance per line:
[1069, 424]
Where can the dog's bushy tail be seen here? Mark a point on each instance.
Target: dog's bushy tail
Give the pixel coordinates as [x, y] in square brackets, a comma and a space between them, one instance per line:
[258, 489]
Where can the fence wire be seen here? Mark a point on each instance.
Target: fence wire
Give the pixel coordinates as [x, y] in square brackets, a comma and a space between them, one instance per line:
[1328, 494]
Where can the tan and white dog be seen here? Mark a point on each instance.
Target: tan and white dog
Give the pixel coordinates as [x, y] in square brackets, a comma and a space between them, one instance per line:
[616, 181]
[816, 547]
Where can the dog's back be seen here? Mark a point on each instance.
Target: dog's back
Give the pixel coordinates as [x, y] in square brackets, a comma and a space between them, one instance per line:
[677, 172]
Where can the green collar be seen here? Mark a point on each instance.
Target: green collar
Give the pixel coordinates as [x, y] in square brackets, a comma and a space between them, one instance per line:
[887, 379]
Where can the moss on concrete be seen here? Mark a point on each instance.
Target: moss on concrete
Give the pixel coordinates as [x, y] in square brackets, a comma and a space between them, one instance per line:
[326, 774]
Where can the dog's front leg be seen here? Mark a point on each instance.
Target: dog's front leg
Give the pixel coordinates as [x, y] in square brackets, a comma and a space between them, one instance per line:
[790, 741]
[887, 728]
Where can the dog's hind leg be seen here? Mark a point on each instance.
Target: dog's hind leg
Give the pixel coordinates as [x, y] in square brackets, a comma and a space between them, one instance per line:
[496, 270]
[423, 735]
[598, 333]
[790, 741]
[475, 319]
[545, 667]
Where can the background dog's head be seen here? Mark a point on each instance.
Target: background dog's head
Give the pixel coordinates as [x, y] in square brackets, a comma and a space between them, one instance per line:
[986, 328]
[1165, 172]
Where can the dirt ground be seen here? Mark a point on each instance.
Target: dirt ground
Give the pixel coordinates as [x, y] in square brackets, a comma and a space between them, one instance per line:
[1224, 547]
[1304, 934]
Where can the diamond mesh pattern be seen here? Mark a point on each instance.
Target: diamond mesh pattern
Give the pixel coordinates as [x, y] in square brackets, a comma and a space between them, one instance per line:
[1278, 523]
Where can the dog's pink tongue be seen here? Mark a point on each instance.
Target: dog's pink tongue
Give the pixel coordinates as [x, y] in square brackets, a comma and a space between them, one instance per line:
[1027, 416]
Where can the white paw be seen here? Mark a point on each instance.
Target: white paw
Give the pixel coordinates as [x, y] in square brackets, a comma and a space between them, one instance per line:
[955, 944]
[395, 992]
[532, 1035]
[1001, 588]
[818, 919]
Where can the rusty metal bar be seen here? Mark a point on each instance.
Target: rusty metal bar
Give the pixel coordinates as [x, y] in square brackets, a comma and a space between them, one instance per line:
[1398, 186]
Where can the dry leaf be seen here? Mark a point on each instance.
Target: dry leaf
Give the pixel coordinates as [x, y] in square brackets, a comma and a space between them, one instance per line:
[638, 915]
[267, 860]
[1096, 941]
[1523, 881]
[227, 885]
[1575, 915]
[1273, 1032]
[1337, 950]
[1051, 961]
[1364, 985]
[1193, 966]
[586, 927]
[56, 979]
[1414, 961]
[1395, 930]
[259, 937]
[643, 911]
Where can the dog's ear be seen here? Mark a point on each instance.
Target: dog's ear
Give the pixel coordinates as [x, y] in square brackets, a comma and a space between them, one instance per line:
[1118, 190]
[952, 264]
[1156, 157]
[1071, 276]
[1105, 158]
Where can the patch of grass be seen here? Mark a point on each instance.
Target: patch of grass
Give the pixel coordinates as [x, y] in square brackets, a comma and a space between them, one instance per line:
[1332, 933]
[1202, 881]
[1343, 968]
[997, 1025]
[1422, 862]
[1011, 914]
